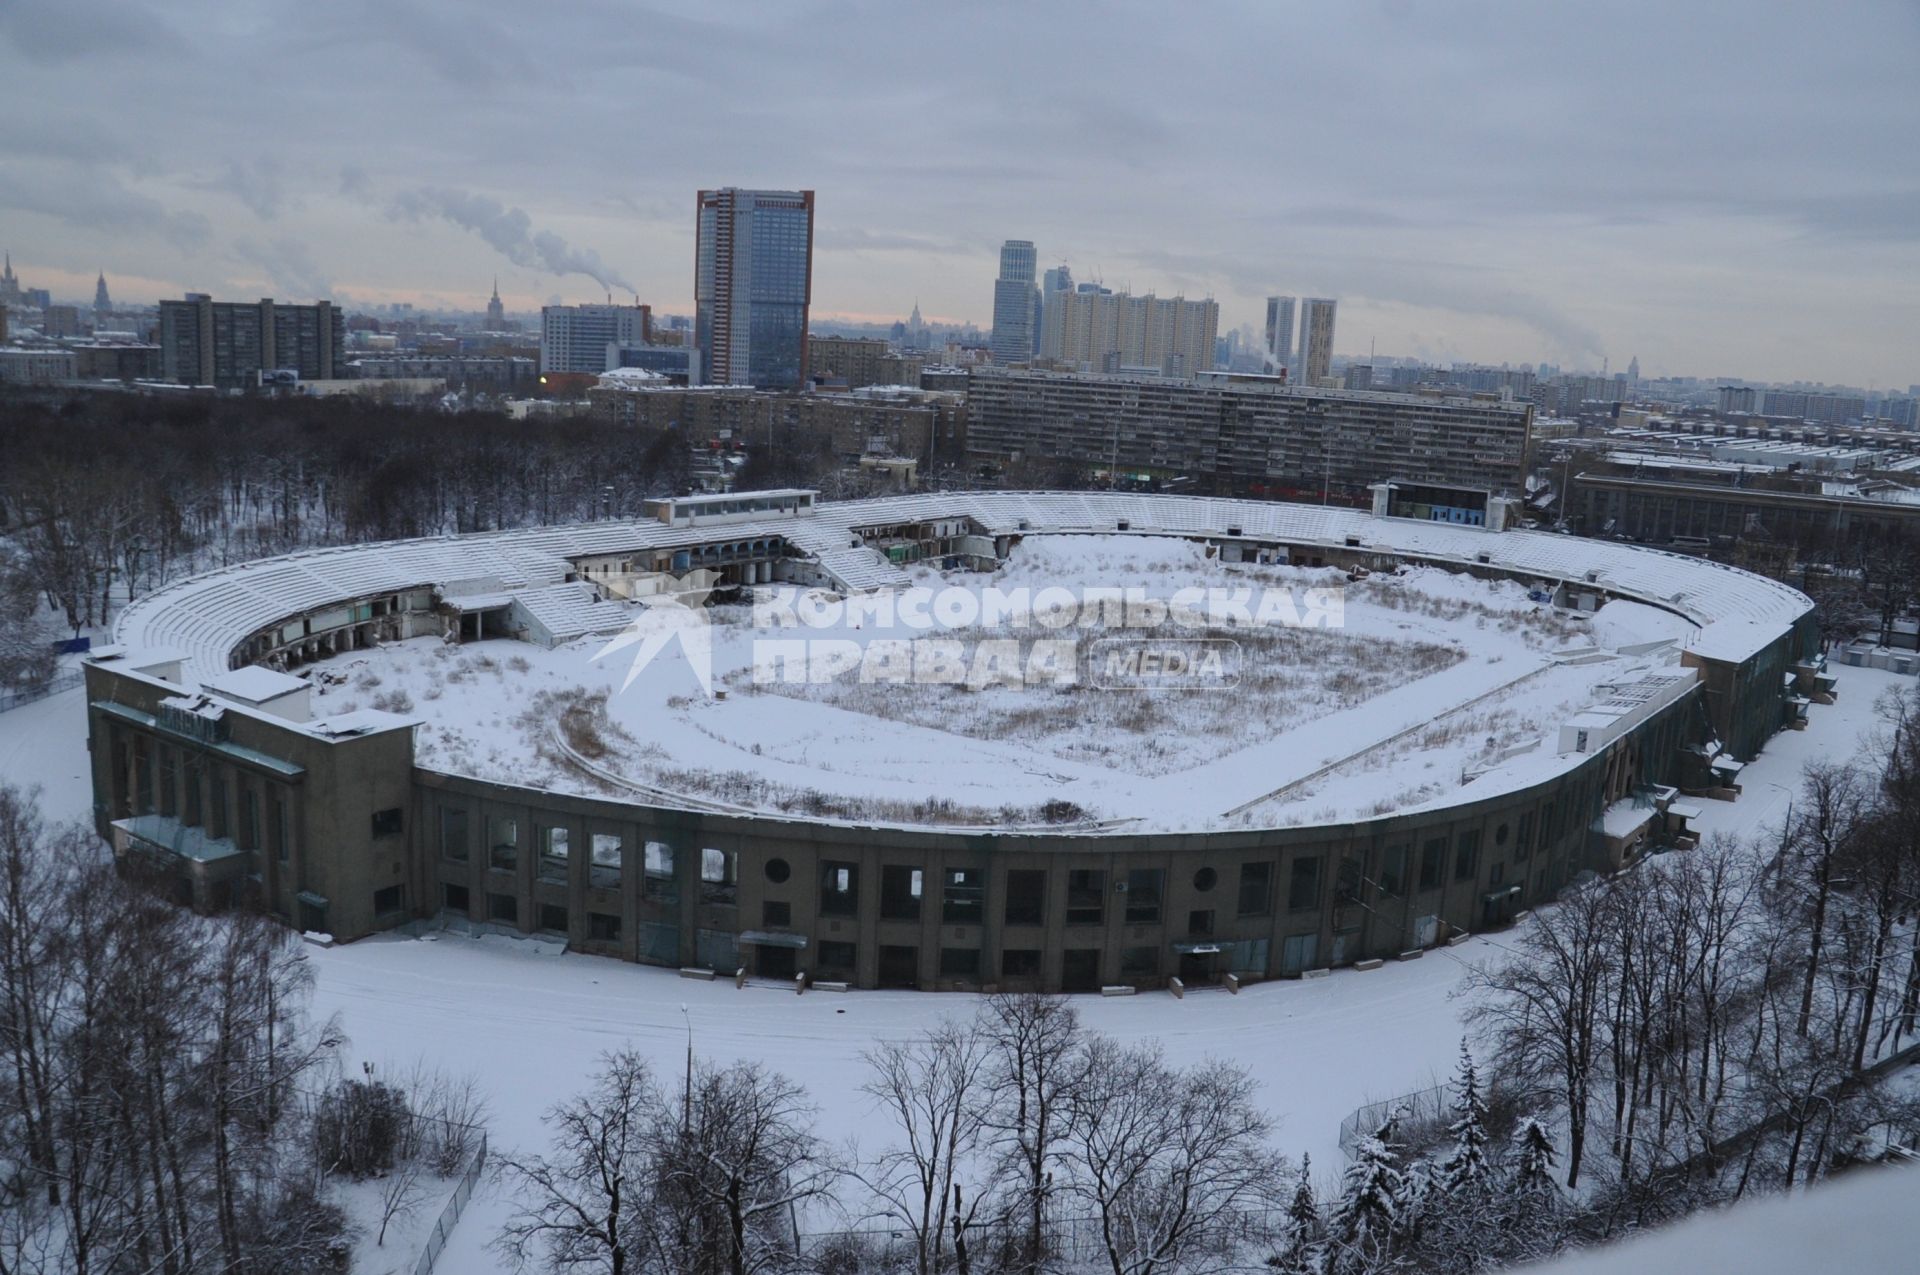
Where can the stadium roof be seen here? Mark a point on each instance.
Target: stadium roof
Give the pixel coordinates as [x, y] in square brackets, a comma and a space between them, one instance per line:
[208, 616]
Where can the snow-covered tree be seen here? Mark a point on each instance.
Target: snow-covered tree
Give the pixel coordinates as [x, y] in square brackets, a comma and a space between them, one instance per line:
[1533, 1161]
[1372, 1199]
[1305, 1229]
[1465, 1171]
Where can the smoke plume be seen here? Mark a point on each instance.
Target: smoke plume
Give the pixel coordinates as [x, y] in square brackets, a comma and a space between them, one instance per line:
[509, 230]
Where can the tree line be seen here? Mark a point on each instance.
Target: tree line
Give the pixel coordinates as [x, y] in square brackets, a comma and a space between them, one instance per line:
[168, 1104]
[106, 496]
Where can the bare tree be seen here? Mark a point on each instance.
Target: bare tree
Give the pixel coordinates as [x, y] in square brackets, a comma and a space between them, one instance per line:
[1544, 1009]
[585, 1203]
[734, 1161]
[934, 1090]
[1172, 1162]
[1033, 1069]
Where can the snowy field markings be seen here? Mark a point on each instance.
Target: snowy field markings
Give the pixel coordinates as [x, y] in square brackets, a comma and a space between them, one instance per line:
[1376, 745]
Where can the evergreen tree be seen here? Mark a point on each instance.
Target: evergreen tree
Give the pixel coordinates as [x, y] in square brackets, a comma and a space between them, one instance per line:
[1373, 1197]
[1465, 1170]
[1304, 1229]
[1532, 1178]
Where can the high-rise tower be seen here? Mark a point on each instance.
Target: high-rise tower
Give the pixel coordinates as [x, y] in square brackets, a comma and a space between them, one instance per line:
[496, 313]
[1013, 302]
[1279, 351]
[752, 286]
[101, 301]
[1316, 340]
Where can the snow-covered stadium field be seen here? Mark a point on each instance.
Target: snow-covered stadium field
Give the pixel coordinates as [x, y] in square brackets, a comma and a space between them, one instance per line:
[1390, 690]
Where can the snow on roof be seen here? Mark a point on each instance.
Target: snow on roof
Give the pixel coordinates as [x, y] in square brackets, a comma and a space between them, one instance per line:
[255, 684]
[366, 721]
[1731, 641]
[1626, 817]
[573, 610]
[189, 841]
[626, 376]
[211, 615]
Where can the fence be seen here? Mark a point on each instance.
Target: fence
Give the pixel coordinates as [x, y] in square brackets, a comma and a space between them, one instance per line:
[1421, 1107]
[52, 686]
[1073, 1242]
[443, 1229]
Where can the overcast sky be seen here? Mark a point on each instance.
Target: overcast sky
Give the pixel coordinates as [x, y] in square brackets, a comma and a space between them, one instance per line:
[1721, 189]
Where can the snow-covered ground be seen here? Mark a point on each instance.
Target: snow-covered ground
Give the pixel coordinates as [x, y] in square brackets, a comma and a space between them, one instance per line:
[1428, 675]
[529, 1021]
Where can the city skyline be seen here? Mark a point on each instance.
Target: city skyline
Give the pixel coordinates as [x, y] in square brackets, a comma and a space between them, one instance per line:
[1616, 198]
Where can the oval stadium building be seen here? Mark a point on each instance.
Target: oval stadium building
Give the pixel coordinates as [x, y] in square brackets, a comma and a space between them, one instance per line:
[214, 766]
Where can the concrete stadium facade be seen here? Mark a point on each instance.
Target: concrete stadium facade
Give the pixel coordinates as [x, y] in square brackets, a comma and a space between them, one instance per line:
[208, 767]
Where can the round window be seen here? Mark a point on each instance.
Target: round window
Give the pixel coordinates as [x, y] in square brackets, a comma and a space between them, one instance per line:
[1204, 879]
[1500, 835]
[778, 871]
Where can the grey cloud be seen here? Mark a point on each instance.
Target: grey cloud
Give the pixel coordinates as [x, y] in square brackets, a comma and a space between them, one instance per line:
[93, 198]
[257, 183]
[857, 239]
[61, 31]
[509, 230]
[354, 183]
[288, 266]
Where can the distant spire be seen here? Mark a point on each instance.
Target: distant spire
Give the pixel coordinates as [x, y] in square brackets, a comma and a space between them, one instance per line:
[496, 287]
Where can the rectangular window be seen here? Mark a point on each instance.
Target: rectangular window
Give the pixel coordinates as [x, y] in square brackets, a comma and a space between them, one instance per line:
[607, 853]
[1026, 896]
[503, 840]
[1086, 896]
[1200, 923]
[387, 823]
[192, 814]
[282, 830]
[1393, 870]
[143, 751]
[453, 834]
[454, 898]
[1349, 885]
[1139, 962]
[1020, 962]
[217, 802]
[1256, 889]
[959, 962]
[1298, 952]
[1303, 884]
[900, 891]
[839, 889]
[963, 899]
[836, 959]
[503, 907]
[1433, 862]
[169, 781]
[1143, 895]
[1466, 856]
[719, 876]
[1523, 839]
[553, 916]
[391, 899]
[249, 819]
[775, 914]
[603, 927]
[657, 881]
[554, 849]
